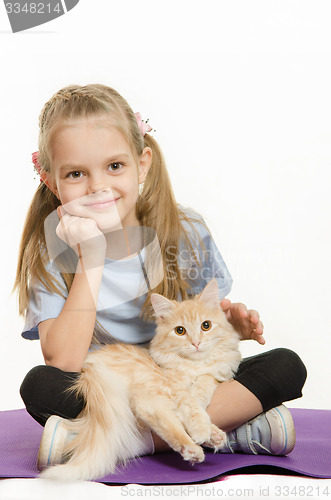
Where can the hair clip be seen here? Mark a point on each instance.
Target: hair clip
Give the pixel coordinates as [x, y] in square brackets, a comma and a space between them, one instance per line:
[36, 163]
[143, 125]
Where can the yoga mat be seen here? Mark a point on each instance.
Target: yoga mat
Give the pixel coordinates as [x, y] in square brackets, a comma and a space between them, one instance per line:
[20, 436]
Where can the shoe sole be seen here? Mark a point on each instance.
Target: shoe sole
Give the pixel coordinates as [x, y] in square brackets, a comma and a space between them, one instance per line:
[52, 443]
[283, 431]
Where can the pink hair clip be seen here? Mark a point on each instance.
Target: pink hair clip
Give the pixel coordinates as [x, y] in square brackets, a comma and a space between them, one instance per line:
[36, 163]
[144, 126]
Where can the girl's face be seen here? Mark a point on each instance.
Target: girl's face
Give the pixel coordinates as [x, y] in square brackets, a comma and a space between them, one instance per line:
[95, 174]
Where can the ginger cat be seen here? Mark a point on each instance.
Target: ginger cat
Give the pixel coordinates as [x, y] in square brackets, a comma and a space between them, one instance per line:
[165, 388]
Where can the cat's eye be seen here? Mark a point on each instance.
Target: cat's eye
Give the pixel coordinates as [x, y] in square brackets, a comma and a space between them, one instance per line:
[180, 330]
[205, 326]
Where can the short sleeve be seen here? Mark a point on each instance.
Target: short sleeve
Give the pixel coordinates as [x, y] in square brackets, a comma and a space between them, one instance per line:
[204, 261]
[43, 304]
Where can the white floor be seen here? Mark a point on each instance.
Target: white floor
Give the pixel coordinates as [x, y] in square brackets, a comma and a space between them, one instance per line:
[270, 487]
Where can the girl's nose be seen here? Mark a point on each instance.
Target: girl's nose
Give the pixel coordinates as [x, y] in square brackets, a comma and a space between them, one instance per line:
[96, 184]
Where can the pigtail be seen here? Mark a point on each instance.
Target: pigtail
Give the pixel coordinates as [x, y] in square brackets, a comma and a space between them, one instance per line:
[32, 257]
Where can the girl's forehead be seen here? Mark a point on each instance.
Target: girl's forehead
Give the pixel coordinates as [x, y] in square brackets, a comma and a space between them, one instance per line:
[83, 124]
[76, 138]
[87, 132]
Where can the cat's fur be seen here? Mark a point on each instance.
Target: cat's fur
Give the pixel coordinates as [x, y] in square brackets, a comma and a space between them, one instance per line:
[167, 389]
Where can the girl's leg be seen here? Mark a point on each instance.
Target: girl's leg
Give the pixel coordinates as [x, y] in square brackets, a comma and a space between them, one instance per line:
[261, 383]
[232, 405]
[44, 392]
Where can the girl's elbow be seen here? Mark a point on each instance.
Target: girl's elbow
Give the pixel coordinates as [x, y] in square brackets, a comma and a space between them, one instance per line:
[65, 365]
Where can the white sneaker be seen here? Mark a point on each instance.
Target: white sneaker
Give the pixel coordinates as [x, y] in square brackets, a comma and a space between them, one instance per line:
[53, 440]
[270, 433]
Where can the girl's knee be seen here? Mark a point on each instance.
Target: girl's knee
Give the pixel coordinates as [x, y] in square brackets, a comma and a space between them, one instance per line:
[44, 391]
[290, 365]
[44, 381]
[31, 382]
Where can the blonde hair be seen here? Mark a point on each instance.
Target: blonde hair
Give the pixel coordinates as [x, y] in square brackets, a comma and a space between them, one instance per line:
[156, 207]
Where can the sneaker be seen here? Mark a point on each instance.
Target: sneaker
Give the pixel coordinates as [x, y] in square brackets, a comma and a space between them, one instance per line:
[270, 433]
[54, 438]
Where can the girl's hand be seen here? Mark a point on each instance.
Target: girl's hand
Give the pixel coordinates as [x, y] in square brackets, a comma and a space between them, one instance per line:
[246, 322]
[83, 236]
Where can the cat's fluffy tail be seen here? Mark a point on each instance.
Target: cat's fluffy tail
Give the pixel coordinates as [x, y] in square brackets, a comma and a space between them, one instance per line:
[106, 429]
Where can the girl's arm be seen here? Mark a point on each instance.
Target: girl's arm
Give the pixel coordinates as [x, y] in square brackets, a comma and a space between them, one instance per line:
[65, 340]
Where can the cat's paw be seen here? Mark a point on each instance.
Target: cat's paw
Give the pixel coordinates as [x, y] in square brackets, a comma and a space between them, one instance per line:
[192, 453]
[199, 428]
[200, 436]
[217, 438]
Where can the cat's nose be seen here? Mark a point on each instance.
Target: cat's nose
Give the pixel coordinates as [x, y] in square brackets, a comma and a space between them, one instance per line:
[196, 345]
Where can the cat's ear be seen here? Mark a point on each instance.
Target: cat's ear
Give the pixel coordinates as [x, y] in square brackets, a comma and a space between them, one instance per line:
[209, 295]
[161, 305]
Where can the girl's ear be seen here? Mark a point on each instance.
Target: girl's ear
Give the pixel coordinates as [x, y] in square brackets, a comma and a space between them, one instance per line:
[47, 179]
[161, 305]
[209, 295]
[144, 164]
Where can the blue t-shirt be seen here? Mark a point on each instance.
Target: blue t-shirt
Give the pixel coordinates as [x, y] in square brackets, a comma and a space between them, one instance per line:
[125, 284]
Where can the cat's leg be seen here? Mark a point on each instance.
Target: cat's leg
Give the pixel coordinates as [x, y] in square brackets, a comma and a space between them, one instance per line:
[192, 410]
[197, 423]
[159, 414]
[203, 389]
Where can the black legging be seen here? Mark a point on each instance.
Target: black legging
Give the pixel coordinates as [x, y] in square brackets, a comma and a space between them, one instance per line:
[273, 377]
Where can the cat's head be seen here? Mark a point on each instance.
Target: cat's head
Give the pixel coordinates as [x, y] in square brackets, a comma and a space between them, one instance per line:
[191, 328]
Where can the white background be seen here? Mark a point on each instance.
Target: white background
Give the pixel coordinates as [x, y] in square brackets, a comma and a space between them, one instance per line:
[239, 95]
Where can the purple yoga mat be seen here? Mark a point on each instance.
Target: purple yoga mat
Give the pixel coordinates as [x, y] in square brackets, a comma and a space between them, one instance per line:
[20, 436]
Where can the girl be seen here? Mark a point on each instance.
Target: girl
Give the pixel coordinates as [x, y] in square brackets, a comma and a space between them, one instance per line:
[102, 222]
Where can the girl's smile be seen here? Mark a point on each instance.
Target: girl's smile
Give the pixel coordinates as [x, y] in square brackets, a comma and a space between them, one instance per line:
[95, 174]
[101, 204]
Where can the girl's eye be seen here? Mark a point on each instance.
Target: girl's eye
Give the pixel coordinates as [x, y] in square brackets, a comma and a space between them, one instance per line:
[205, 326]
[115, 166]
[180, 330]
[73, 174]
